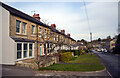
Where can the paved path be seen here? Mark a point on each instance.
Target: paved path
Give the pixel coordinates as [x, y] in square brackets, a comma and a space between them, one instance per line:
[111, 62]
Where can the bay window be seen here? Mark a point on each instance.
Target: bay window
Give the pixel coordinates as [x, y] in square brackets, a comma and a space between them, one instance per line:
[25, 50]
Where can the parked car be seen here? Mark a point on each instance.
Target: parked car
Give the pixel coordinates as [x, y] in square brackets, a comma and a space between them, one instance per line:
[99, 50]
[105, 50]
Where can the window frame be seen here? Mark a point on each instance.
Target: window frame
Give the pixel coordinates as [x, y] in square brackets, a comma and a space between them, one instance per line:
[33, 33]
[24, 28]
[40, 30]
[18, 27]
[22, 52]
[19, 50]
[25, 50]
[45, 33]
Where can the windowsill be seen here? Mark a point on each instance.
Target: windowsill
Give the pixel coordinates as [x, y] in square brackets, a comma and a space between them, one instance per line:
[33, 35]
[25, 58]
[21, 34]
[18, 33]
[24, 34]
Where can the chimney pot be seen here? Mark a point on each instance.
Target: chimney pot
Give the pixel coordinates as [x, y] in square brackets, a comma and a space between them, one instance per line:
[53, 26]
[63, 31]
[36, 16]
[68, 35]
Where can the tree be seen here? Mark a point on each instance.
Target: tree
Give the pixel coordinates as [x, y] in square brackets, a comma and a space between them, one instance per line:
[51, 40]
[84, 42]
[99, 39]
[117, 46]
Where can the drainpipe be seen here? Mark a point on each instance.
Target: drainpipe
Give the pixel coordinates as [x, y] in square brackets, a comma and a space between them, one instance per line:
[37, 40]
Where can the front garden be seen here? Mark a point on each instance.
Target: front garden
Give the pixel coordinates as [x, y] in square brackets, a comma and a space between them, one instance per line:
[82, 61]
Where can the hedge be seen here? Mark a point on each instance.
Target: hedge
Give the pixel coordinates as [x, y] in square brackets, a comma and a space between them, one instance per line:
[67, 56]
[76, 52]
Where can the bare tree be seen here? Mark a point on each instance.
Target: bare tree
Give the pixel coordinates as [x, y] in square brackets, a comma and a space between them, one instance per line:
[51, 39]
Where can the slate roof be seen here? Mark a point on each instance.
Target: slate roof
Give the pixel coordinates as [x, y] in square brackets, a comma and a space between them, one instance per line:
[20, 14]
[22, 39]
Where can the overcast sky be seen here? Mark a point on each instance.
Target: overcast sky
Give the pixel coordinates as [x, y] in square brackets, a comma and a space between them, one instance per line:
[103, 17]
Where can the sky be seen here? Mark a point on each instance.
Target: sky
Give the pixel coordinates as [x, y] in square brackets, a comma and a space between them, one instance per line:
[71, 16]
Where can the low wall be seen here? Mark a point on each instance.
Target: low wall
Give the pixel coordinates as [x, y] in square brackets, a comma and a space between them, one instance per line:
[43, 62]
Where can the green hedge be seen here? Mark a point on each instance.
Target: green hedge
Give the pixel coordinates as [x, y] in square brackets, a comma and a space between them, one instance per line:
[76, 52]
[67, 56]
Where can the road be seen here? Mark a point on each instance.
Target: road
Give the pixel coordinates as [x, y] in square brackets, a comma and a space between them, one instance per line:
[111, 62]
[16, 71]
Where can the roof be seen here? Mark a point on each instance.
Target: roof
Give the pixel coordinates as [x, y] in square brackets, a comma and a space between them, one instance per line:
[22, 39]
[20, 14]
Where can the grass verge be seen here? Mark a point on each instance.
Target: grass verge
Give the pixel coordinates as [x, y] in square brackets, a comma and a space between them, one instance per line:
[92, 64]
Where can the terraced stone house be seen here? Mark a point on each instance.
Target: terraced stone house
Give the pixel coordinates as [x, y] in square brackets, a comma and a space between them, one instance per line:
[25, 37]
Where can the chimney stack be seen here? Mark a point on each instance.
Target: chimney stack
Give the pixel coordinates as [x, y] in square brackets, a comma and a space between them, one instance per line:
[53, 26]
[63, 31]
[68, 35]
[36, 16]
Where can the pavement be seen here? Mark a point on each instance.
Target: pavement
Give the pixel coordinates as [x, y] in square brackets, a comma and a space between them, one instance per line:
[111, 62]
[14, 71]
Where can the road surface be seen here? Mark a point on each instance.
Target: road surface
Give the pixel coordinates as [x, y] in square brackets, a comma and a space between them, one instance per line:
[111, 62]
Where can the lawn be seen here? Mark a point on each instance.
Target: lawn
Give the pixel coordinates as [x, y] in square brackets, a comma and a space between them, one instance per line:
[87, 58]
[90, 63]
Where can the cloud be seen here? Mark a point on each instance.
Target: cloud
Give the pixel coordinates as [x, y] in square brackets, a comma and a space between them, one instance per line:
[71, 17]
[103, 18]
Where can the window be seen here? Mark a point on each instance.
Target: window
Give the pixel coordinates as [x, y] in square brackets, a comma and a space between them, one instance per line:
[40, 49]
[30, 50]
[32, 29]
[54, 37]
[57, 38]
[39, 32]
[25, 50]
[45, 33]
[23, 28]
[19, 50]
[48, 48]
[17, 26]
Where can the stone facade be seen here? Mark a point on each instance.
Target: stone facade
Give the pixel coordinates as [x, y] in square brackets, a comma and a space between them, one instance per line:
[40, 41]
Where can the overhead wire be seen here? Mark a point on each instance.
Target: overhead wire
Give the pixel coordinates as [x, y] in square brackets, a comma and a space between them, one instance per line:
[86, 12]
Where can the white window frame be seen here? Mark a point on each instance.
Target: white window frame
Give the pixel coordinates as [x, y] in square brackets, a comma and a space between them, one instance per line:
[40, 45]
[40, 29]
[22, 54]
[24, 28]
[45, 33]
[33, 33]
[31, 50]
[25, 50]
[19, 50]
[19, 26]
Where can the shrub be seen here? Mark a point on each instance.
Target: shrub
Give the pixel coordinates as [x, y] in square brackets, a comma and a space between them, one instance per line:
[76, 52]
[86, 50]
[67, 56]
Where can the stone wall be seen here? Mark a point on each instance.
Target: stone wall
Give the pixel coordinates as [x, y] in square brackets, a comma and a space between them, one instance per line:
[43, 62]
